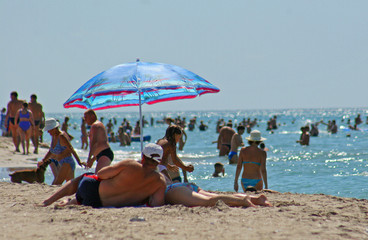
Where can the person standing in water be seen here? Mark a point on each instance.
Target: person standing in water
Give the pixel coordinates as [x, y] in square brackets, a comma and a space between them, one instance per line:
[253, 162]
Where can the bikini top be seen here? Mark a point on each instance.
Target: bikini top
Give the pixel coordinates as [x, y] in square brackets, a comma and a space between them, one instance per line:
[259, 164]
[58, 148]
[21, 115]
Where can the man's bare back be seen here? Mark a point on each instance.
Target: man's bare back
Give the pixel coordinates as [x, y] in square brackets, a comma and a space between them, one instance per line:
[132, 185]
[224, 140]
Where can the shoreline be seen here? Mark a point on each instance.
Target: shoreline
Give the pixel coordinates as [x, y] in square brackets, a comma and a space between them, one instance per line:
[293, 216]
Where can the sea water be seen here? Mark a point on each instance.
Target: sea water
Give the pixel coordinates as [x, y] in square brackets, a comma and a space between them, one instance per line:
[335, 164]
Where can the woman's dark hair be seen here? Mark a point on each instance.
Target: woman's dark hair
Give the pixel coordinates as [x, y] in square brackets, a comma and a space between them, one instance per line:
[257, 142]
[170, 133]
[25, 105]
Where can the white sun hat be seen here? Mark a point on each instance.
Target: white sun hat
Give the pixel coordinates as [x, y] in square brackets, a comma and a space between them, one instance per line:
[50, 123]
[255, 136]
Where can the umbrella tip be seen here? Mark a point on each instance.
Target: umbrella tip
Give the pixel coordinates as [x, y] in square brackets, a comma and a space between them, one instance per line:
[137, 60]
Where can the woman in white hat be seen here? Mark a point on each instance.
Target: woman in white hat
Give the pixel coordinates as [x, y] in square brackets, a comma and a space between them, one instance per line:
[253, 160]
[61, 150]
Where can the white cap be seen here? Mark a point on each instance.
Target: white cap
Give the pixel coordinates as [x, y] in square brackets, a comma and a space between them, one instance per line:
[153, 149]
[50, 123]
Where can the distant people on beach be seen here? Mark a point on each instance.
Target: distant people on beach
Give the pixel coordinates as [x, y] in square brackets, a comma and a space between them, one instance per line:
[109, 126]
[219, 169]
[192, 123]
[224, 139]
[358, 120]
[124, 137]
[39, 120]
[333, 128]
[4, 130]
[99, 148]
[314, 132]
[304, 137]
[170, 159]
[236, 142]
[65, 127]
[126, 183]
[253, 162]
[263, 146]
[60, 150]
[202, 126]
[25, 121]
[137, 129]
[13, 106]
[84, 134]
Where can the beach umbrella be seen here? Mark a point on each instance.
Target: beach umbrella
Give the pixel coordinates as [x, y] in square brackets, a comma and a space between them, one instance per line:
[136, 83]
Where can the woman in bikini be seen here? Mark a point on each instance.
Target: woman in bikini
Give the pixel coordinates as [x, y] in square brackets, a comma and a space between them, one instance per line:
[61, 150]
[170, 159]
[25, 121]
[253, 161]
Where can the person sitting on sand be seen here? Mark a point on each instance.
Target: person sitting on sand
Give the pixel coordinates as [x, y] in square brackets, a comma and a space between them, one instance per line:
[61, 150]
[219, 168]
[126, 183]
[253, 161]
[170, 159]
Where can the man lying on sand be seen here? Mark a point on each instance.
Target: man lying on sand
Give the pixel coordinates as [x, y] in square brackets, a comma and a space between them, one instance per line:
[127, 183]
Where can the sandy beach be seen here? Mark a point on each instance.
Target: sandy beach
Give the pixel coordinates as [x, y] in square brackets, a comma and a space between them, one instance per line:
[293, 216]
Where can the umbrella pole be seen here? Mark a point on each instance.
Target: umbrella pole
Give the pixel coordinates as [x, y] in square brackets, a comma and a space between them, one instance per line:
[140, 119]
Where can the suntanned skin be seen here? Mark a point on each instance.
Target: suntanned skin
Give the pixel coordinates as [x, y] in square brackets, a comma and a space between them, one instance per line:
[39, 117]
[224, 139]
[236, 141]
[24, 135]
[64, 172]
[98, 141]
[252, 171]
[127, 183]
[170, 150]
[13, 106]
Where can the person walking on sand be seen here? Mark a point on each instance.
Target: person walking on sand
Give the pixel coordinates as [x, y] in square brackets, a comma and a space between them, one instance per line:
[236, 141]
[39, 119]
[99, 148]
[60, 150]
[25, 121]
[13, 106]
[253, 161]
[224, 139]
[127, 183]
[170, 159]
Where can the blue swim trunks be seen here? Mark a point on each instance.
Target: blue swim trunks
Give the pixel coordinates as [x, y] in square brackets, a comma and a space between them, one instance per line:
[231, 154]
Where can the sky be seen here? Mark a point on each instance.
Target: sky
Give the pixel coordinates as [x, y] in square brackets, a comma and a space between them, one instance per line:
[261, 54]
